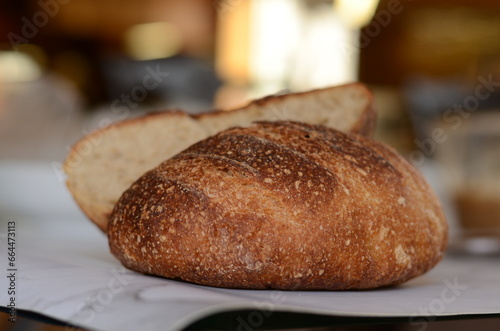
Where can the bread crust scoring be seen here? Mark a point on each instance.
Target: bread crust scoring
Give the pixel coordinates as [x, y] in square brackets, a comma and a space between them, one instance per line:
[281, 205]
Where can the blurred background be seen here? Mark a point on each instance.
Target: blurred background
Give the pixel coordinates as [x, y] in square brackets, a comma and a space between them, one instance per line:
[68, 67]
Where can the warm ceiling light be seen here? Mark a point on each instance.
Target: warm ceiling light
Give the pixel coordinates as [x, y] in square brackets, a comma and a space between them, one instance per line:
[18, 67]
[152, 40]
[356, 13]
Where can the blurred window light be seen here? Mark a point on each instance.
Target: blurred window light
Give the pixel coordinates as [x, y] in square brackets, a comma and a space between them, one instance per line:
[294, 46]
[154, 40]
[356, 13]
[328, 53]
[276, 33]
[273, 45]
[18, 67]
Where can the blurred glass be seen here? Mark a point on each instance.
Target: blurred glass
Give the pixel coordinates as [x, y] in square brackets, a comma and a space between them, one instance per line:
[471, 160]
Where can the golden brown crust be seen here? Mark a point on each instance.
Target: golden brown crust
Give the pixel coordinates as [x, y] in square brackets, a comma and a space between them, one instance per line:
[281, 205]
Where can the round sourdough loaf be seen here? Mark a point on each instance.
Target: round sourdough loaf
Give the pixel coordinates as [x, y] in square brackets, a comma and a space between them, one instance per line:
[281, 205]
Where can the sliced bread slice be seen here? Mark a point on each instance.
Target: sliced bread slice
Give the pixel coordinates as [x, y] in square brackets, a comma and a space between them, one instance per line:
[102, 165]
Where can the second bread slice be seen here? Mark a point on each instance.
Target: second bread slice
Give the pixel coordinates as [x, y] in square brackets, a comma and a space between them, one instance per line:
[101, 166]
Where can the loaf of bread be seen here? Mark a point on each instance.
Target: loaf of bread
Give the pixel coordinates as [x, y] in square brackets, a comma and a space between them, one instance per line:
[282, 205]
[102, 165]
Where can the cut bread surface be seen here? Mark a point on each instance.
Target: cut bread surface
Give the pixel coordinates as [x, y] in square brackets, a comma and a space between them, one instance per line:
[102, 165]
